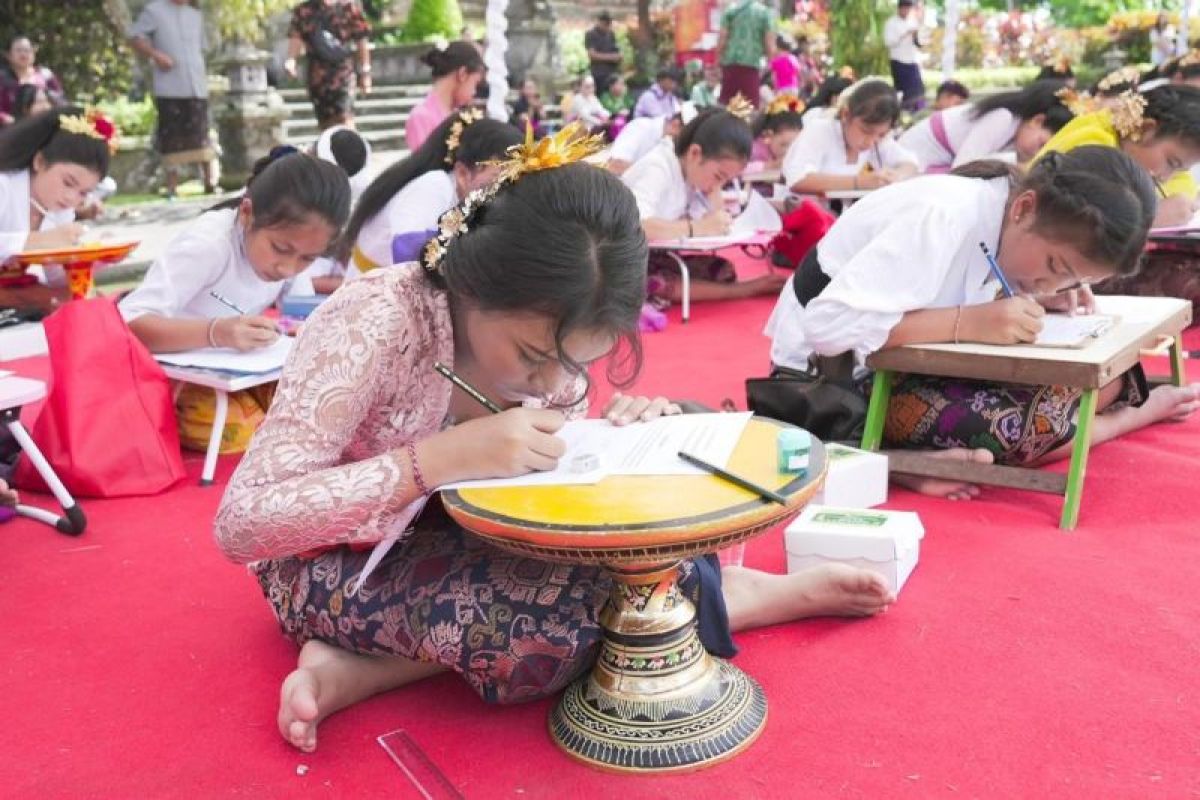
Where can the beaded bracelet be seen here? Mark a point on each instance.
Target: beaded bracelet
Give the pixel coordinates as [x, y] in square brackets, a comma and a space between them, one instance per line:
[418, 478]
[212, 325]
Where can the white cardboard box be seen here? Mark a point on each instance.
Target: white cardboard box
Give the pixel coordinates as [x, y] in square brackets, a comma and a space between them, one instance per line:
[887, 542]
[855, 479]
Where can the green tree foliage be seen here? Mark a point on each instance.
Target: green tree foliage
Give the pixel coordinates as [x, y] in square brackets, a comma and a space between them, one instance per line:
[856, 32]
[243, 19]
[75, 38]
[431, 19]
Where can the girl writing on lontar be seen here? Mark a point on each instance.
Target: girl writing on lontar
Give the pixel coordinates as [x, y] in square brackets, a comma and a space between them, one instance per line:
[1019, 122]
[528, 282]
[48, 164]
[212, 284]
[1159, 129]
[677, 186]
[904, 266]
[854, 149]
[399, 211]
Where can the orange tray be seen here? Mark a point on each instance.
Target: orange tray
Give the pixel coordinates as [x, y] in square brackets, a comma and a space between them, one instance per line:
[97, 253]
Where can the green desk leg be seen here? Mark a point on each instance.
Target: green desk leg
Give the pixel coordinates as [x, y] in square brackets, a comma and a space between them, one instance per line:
[1178, 376]
[881, 393]
[1079, 457]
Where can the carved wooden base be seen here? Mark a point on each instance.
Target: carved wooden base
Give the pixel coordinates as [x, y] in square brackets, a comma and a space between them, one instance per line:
[656, 700]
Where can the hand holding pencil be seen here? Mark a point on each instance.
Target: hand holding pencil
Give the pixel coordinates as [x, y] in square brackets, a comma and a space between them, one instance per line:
[243, 332]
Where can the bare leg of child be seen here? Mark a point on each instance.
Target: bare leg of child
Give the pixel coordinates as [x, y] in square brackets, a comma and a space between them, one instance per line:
[701, 290]
[1165, 404]
[942, 487]
[755, 599]
[328, 679]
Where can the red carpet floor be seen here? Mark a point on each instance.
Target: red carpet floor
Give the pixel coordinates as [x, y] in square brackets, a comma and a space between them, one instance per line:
[1020, 661]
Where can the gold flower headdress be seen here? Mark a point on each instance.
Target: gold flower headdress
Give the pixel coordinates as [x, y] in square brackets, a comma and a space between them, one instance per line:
[740, 107]
[1128, 113]
[466, 116]
[1078, 103]
[1188, 59]
[91, 123]
[569, 145]
[848, 73]
[1120, 77]
[785, 103]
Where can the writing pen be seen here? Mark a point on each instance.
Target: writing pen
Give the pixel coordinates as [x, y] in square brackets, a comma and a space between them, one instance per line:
[1004, 284]
[736, 480]
[227, 303]
[474, 393]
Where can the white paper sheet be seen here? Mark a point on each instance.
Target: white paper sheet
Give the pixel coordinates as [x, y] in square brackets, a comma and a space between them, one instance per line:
[266, 359]
[1063, 330]
[643, 448]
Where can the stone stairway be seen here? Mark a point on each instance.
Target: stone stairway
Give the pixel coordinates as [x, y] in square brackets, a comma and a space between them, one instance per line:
[379, 116]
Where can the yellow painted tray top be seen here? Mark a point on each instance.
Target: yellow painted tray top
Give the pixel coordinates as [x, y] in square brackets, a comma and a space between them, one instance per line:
[630, 511]
[96, 252]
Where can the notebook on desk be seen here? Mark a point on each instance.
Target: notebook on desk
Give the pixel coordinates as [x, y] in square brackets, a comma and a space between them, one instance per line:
[1065, 330]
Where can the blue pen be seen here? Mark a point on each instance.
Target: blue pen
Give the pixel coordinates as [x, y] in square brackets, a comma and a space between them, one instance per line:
[1008, 290]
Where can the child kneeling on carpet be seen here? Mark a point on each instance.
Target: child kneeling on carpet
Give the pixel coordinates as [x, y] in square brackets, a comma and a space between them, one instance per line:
[527, 283]
[904, 266]
[243, 252]
[677, 186]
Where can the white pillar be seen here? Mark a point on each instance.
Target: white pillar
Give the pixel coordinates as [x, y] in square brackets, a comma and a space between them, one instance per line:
[950, 40]
[496, 20]
[1181, 38]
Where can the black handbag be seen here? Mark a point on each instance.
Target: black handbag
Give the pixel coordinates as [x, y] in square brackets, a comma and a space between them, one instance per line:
[324, 46]
[826, 403]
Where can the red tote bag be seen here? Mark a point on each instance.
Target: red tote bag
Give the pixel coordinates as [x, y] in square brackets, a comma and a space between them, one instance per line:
[108, 427]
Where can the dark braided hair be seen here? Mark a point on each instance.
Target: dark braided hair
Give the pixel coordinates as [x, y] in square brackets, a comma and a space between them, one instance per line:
[1176, 109]
[1096, 198]
[719, 135]
[1040, 97]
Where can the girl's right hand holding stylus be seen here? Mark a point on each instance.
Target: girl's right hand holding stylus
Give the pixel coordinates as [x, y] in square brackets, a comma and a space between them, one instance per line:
[514, 442]
[714, 223]
[873, 180]
[1010, 320]
[245, 333]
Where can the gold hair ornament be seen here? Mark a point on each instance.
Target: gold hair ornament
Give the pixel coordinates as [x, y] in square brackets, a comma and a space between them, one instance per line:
[740, 107]
[1059, 63]
[785, 103]
[1189, 59]
[567, 146]
[1128, 114]
[1078, 103]
[1119, 77]
[466, 117]
[92, 124]
[848, 73]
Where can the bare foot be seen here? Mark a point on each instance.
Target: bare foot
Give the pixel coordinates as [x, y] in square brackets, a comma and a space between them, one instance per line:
[1171, 403]
[771, 283]
[755, 598]
[328, 678]
[942, 487]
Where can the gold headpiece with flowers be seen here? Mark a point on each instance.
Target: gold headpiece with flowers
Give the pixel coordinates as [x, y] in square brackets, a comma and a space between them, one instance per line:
[740, 107]
[466, 116]
[1128, 113]
[1078, 103]
[785, 103]
[848, 73]
[92, 124]
[569, 145]
[1119, 77]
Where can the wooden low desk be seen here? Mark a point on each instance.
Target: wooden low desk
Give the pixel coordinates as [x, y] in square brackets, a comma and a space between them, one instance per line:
[1143, 321]
[222, 383]
[655, 700]
[675, 249]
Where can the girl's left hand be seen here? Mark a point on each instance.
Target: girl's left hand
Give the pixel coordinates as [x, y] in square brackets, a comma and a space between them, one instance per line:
[623, 409]
[1072, 301]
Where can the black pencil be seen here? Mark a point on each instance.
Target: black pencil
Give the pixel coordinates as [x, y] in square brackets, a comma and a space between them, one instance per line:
[737, 480]
[475, 394]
